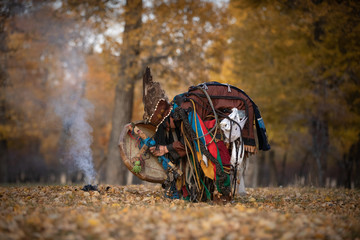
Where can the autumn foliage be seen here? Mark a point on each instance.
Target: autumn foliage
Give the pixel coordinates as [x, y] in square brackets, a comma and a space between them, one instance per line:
[142, 212]
[298, 61]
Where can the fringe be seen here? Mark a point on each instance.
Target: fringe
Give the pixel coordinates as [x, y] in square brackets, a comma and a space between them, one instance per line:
[250, 149]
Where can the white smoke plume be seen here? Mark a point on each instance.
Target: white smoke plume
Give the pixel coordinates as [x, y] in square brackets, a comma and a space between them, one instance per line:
[75, 111]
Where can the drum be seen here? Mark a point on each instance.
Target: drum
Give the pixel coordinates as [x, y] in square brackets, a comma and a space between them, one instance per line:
[132, 150]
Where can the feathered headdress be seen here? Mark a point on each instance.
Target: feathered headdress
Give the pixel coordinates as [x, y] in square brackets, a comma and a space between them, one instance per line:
[156, 103]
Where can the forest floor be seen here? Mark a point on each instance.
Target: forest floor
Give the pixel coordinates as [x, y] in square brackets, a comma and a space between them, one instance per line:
[142, 212]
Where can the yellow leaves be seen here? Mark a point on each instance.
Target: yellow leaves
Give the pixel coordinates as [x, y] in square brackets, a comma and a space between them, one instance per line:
[240, 207]
[5, 131]
[252, 199]
[267, 225]
[289, 42]
[166, 216]
[79, 219]
[34, 220]
[93, 222]
[288, 236]
[296, 208]
[327, 199]
[240, 18]
[17, 209]
[115, 205]
[143, 209]
[204, 238]
[17, 40]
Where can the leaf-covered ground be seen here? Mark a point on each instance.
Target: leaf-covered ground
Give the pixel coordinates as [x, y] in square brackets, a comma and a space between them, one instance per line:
[141, 212]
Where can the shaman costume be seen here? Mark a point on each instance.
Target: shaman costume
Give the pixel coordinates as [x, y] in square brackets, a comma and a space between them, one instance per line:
[198, 164]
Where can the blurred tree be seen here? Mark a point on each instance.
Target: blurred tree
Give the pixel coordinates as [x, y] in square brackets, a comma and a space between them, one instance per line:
[47, 48]
[3, 84]
[184, 40]
[179, 40]
[24, 96]
[129, 69]
[178, 43]
[297, 59]
[7, 10]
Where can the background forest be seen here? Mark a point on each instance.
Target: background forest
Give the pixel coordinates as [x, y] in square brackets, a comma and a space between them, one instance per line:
[70, 76]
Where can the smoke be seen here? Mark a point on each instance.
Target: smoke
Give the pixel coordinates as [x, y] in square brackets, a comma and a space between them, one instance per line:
[75, 111]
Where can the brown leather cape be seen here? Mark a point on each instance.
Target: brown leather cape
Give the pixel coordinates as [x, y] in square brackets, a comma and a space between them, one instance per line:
[224, 98]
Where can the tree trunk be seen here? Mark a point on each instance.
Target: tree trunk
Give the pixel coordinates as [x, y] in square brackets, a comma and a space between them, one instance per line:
[320, 134]
[261, 170]
[350, 166]
[3, 160]
[3, 109]
[124, 93]
[3, 122]
[357, 166]
[283, 166]
[356, 158]
[274, 178]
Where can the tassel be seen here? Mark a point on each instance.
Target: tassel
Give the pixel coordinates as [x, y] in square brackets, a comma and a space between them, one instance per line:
[250, 149]
[137, 167]
[229, 89]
